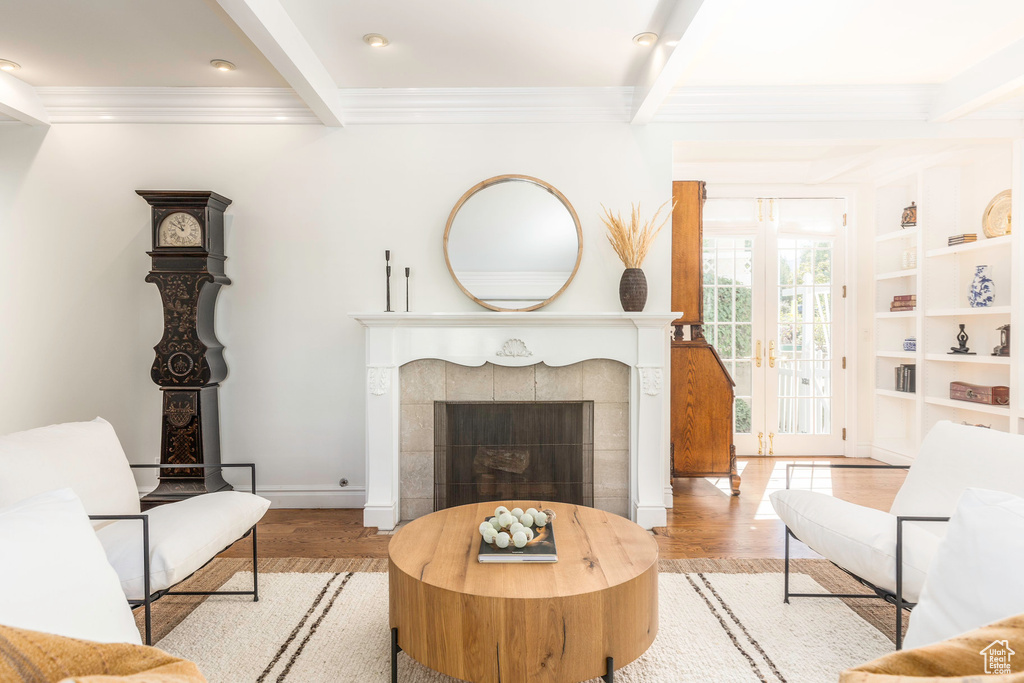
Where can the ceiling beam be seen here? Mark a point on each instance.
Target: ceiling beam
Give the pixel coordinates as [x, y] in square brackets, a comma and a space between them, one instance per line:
[680, 41]
[980, 85]
[272, 31]
[19, 100]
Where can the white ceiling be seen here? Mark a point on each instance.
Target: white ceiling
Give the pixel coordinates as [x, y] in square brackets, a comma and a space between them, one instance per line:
[478, 43]
[833, 42]
[128, 43]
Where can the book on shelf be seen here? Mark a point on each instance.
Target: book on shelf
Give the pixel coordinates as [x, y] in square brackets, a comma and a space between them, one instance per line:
[962, 239]
[905, 297]
[540, 549]
[906, 377]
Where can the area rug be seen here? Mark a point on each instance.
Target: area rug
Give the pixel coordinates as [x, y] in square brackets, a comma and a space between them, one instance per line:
[327, 620]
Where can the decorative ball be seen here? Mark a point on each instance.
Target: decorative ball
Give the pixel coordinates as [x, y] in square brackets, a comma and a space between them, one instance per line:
[519, 538]
[540, 519]
[500, 510]
[502, 539]
[489, 534]
[506, 519]
[532, 512]
[550, 515]
[484, 526]
[516, 527]
[526, 519]
[493, 521]
[529, 533]
[517, 512]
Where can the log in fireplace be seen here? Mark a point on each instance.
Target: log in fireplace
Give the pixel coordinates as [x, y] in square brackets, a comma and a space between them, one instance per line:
[513, 450]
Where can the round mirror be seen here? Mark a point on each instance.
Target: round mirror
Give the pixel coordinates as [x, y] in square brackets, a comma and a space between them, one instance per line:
[513, 243]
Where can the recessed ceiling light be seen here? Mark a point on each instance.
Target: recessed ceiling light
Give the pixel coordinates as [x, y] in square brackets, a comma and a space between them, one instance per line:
[222, 65]
[646, 39]
[375, 40]
[8, 65]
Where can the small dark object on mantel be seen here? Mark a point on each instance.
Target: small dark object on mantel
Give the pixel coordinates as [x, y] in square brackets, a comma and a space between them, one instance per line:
[408, 272]
[962, 339]
[633, 290]
[387, 260]
[1004, 341]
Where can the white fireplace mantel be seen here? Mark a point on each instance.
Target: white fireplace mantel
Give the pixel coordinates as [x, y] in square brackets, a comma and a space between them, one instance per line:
[639, 340]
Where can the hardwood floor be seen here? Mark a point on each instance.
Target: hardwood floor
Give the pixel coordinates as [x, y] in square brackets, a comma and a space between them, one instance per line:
[705, 520]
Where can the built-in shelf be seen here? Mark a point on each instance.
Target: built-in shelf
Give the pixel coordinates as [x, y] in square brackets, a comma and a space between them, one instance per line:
[957, 312]
[981, 244]
[909, 355]
[896, 274]
[967, 405]
[895, 314]
[961, 358]
[908, 395]
[897, 234]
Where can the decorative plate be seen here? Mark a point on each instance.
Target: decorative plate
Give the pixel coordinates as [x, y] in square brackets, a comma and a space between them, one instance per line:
[996, 219]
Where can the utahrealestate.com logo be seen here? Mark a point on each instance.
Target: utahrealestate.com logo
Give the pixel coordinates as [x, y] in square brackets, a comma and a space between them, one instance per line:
[997, 657]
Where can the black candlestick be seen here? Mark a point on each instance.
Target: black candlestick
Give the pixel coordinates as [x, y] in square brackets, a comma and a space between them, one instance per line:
[408, 271]
[387, 260]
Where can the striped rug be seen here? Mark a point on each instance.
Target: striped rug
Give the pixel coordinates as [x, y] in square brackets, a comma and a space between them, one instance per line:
[327, 620]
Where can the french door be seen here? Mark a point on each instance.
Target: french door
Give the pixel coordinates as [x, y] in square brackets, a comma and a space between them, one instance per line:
[774, 311]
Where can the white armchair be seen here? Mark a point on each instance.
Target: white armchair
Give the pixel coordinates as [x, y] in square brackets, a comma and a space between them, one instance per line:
[890, 552]
[151, 551]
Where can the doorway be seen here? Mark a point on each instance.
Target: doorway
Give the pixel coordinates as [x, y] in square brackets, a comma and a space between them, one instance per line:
[773, 309]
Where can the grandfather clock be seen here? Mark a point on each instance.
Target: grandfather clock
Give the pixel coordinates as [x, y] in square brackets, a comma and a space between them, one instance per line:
[188, 269]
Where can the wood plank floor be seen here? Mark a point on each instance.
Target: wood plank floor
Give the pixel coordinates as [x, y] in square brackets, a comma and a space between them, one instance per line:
[705, 520]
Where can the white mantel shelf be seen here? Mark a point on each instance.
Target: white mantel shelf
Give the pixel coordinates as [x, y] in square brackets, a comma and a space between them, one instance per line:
[639, 340]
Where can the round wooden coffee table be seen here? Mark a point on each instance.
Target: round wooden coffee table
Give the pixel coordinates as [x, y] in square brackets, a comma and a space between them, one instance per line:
[490, 623]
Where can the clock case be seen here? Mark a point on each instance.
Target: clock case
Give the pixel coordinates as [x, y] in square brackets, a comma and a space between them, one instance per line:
[189, 363]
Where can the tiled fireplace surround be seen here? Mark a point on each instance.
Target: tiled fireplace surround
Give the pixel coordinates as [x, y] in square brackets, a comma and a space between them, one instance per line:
[605, 382]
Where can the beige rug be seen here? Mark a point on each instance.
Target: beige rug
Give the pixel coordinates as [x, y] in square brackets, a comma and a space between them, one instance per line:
[326, 620]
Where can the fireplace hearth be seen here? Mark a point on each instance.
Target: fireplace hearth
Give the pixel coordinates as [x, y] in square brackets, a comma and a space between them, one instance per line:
[486, 451]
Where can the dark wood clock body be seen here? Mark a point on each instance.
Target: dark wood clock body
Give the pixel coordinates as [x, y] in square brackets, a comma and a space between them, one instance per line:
[189, 363]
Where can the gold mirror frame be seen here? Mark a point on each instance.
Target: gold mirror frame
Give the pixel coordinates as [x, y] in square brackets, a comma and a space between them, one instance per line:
[497, 180]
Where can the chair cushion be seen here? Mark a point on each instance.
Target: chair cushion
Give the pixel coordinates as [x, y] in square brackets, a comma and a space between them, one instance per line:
[975, 578]
[955, 457]
[54, 576]
[83, 456]
[183, 536]
[859, 539]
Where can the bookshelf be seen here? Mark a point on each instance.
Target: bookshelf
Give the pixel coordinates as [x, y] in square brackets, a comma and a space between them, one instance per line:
[951, 197]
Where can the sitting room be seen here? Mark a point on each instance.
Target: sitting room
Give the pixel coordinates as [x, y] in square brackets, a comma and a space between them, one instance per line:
[587, 350]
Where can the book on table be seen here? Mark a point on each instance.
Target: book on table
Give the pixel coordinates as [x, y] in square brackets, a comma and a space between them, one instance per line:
[540, 549]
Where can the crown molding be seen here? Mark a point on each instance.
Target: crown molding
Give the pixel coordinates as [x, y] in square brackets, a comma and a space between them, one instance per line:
[370, 106]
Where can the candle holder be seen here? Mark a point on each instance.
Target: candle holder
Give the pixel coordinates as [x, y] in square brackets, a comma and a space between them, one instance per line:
[387, 261]
[408, 272]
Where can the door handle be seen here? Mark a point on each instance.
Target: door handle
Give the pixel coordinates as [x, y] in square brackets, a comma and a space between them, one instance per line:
[757, 354]
[771, 353]
[771, 443]
[760, 443]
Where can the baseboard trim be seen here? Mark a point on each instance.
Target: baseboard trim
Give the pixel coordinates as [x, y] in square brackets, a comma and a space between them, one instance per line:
[304, 495]
[890, 457]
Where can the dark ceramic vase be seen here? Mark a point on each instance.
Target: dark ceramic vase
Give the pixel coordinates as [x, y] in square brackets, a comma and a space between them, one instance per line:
[633, 290]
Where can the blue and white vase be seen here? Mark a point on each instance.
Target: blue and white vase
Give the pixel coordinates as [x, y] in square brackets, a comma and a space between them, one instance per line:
[983, 290]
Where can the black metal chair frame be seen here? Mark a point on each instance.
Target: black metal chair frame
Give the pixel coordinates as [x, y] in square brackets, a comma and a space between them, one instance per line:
[153, 596]
[895, 599]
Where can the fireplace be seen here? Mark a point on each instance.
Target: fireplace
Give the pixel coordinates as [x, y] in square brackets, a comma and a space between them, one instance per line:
[513, 451]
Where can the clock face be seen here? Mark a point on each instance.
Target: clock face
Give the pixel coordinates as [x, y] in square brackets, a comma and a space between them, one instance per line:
[180, 230]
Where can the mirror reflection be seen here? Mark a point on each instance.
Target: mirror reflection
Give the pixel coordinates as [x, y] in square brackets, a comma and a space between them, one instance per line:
[513, 243]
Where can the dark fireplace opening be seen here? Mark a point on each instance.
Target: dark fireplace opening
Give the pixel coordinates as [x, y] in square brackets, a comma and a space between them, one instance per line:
[526, 451]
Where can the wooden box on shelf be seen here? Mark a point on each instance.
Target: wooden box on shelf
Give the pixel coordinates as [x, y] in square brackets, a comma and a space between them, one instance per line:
[978, 393]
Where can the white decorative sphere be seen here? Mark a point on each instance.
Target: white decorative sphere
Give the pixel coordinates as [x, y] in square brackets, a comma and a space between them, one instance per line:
[517, 512]
[516, 527]
[529, 533]
[484, 526]
[540, 519]
[519, 538]
[500, 510]
[506, 519]
[502, 540]
[489, 534]
[493, 521]
[532, 512]
[526, 519]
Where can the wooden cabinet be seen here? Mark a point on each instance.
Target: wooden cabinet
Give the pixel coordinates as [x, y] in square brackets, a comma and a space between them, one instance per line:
[702, 390]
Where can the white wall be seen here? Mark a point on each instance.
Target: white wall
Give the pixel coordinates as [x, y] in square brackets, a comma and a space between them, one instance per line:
[314, 210]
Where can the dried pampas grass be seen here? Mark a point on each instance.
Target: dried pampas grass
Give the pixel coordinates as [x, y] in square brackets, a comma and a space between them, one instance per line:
[632, 239]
